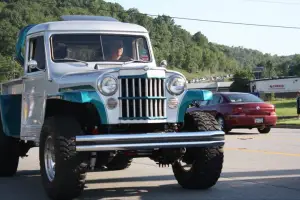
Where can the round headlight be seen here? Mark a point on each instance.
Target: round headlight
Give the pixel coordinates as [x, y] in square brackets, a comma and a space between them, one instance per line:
[107, 85]
[176, 85]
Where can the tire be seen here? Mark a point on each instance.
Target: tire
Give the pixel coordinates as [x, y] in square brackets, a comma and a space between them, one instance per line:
[119, 162]
[264, 130]
[9, 156]
[206, 163]
[68, 181]
[221, 121]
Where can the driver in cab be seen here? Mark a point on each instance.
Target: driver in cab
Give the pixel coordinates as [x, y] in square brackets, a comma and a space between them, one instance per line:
[117, 50]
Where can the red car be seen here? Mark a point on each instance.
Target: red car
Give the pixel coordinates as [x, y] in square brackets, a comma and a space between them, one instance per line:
[239, 110]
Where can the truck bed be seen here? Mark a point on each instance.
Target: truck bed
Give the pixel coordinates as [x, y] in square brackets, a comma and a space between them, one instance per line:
[11, 107]
[12, 87]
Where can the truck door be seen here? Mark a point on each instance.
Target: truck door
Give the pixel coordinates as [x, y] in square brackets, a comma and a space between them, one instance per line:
[33, 97]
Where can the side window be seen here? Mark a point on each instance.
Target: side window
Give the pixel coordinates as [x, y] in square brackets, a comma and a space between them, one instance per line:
[143, 51]
[37, 52]
[216, 99]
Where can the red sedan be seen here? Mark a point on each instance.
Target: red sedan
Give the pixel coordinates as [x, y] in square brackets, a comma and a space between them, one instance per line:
[239, 110]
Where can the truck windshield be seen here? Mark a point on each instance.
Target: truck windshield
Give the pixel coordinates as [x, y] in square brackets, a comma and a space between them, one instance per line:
[96, 48]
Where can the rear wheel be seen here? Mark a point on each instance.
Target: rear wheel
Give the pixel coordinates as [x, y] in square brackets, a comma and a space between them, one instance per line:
[203, 166]
[264, 130]
[9, 156]
[63, 170]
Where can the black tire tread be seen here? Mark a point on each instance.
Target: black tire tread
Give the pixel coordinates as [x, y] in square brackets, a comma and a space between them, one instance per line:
[9, 154]
[265, 130]
[208, 162]
[71, 169]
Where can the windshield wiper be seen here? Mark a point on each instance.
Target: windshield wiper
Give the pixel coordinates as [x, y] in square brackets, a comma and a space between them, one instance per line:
[72, 59]
[135, 61]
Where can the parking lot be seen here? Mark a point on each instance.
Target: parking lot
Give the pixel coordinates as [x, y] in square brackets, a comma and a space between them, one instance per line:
[256, 167]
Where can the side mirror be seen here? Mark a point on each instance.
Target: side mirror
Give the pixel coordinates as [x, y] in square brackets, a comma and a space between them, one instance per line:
[32, 64]
[163, 63]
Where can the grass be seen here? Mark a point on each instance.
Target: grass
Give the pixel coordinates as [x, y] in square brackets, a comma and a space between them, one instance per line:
[285, 107]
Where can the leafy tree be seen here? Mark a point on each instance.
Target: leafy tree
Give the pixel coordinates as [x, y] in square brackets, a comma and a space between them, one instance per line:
[241, 81]
[181, 49]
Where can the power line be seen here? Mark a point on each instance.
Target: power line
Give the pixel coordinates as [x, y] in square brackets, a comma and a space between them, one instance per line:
[233, 23]
[211, 21]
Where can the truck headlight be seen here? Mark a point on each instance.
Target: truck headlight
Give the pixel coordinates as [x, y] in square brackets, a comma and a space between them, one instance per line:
[176, 85]
[107, 85]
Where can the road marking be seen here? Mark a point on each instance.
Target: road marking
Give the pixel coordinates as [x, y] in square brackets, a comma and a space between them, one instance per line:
[263, 151]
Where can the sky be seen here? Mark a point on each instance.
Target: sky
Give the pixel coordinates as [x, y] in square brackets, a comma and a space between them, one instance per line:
[267, 40]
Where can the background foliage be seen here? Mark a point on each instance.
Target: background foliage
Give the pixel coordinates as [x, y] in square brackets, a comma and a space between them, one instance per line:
[183, 51]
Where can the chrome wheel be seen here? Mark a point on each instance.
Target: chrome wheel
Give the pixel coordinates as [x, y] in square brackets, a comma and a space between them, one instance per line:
[221, 122]
[185, 166]
[49, 156]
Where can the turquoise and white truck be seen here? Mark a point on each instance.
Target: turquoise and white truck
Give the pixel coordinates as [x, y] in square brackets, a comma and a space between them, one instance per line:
[92, 98]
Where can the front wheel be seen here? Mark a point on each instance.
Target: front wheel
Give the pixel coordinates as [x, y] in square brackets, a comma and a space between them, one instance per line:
[203, 166]
[63, 170]
[264, 130]
[222, 123]
[201, 169]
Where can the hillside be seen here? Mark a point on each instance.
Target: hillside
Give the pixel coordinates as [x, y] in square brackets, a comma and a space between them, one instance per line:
[191, 53]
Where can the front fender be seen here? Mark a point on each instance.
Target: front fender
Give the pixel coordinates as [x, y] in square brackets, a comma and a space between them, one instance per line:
[85, 97]
[189, 97]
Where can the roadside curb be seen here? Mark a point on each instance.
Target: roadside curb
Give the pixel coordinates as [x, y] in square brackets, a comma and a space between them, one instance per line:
[291, 126]
[286, 117]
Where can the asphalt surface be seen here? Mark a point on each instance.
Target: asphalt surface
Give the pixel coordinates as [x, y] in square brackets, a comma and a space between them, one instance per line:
[257, 167]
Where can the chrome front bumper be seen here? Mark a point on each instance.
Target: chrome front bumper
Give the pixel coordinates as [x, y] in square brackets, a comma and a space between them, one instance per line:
[149, 141]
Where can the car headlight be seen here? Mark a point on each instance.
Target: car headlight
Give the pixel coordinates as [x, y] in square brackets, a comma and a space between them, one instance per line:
[176, 85]
[107, 85]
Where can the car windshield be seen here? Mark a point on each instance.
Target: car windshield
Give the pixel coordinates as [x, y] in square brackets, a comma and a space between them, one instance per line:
[97, 47]
[247, 98]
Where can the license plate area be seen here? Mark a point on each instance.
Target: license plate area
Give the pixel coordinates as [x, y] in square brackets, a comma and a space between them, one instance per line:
[259, 120]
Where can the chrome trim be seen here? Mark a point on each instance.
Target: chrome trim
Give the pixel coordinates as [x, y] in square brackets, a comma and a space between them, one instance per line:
[133, 95]
[127, 101]
[140, 94]
[109, 147]
[147, 110]
[148, 140]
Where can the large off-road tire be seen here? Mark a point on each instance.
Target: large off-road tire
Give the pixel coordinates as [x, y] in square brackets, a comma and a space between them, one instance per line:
[205, 163]
[264, 130]
[66, 180]
[9, 156]
[119, 162]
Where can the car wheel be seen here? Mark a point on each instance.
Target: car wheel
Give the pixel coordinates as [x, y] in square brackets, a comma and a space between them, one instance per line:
[221, 121]
[264, 130]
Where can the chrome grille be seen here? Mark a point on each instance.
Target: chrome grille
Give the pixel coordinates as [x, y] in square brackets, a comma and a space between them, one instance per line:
[142, 98]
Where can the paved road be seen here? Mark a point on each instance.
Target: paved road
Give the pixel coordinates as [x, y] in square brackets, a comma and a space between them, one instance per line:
[257, 167]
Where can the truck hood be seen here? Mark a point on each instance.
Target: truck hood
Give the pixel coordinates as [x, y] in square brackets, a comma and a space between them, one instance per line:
[89, 77]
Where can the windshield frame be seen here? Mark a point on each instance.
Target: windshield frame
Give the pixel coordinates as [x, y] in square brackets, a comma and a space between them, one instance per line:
[100, 34]
[244, 94]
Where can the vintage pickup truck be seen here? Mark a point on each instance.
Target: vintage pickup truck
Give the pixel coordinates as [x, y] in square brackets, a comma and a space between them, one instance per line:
[92, 98]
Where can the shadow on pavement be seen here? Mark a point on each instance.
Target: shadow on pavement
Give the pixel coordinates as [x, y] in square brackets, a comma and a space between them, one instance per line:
[241, 133]
[263, 185]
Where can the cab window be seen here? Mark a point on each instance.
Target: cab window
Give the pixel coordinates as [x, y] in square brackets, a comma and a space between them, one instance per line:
[37, 53]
